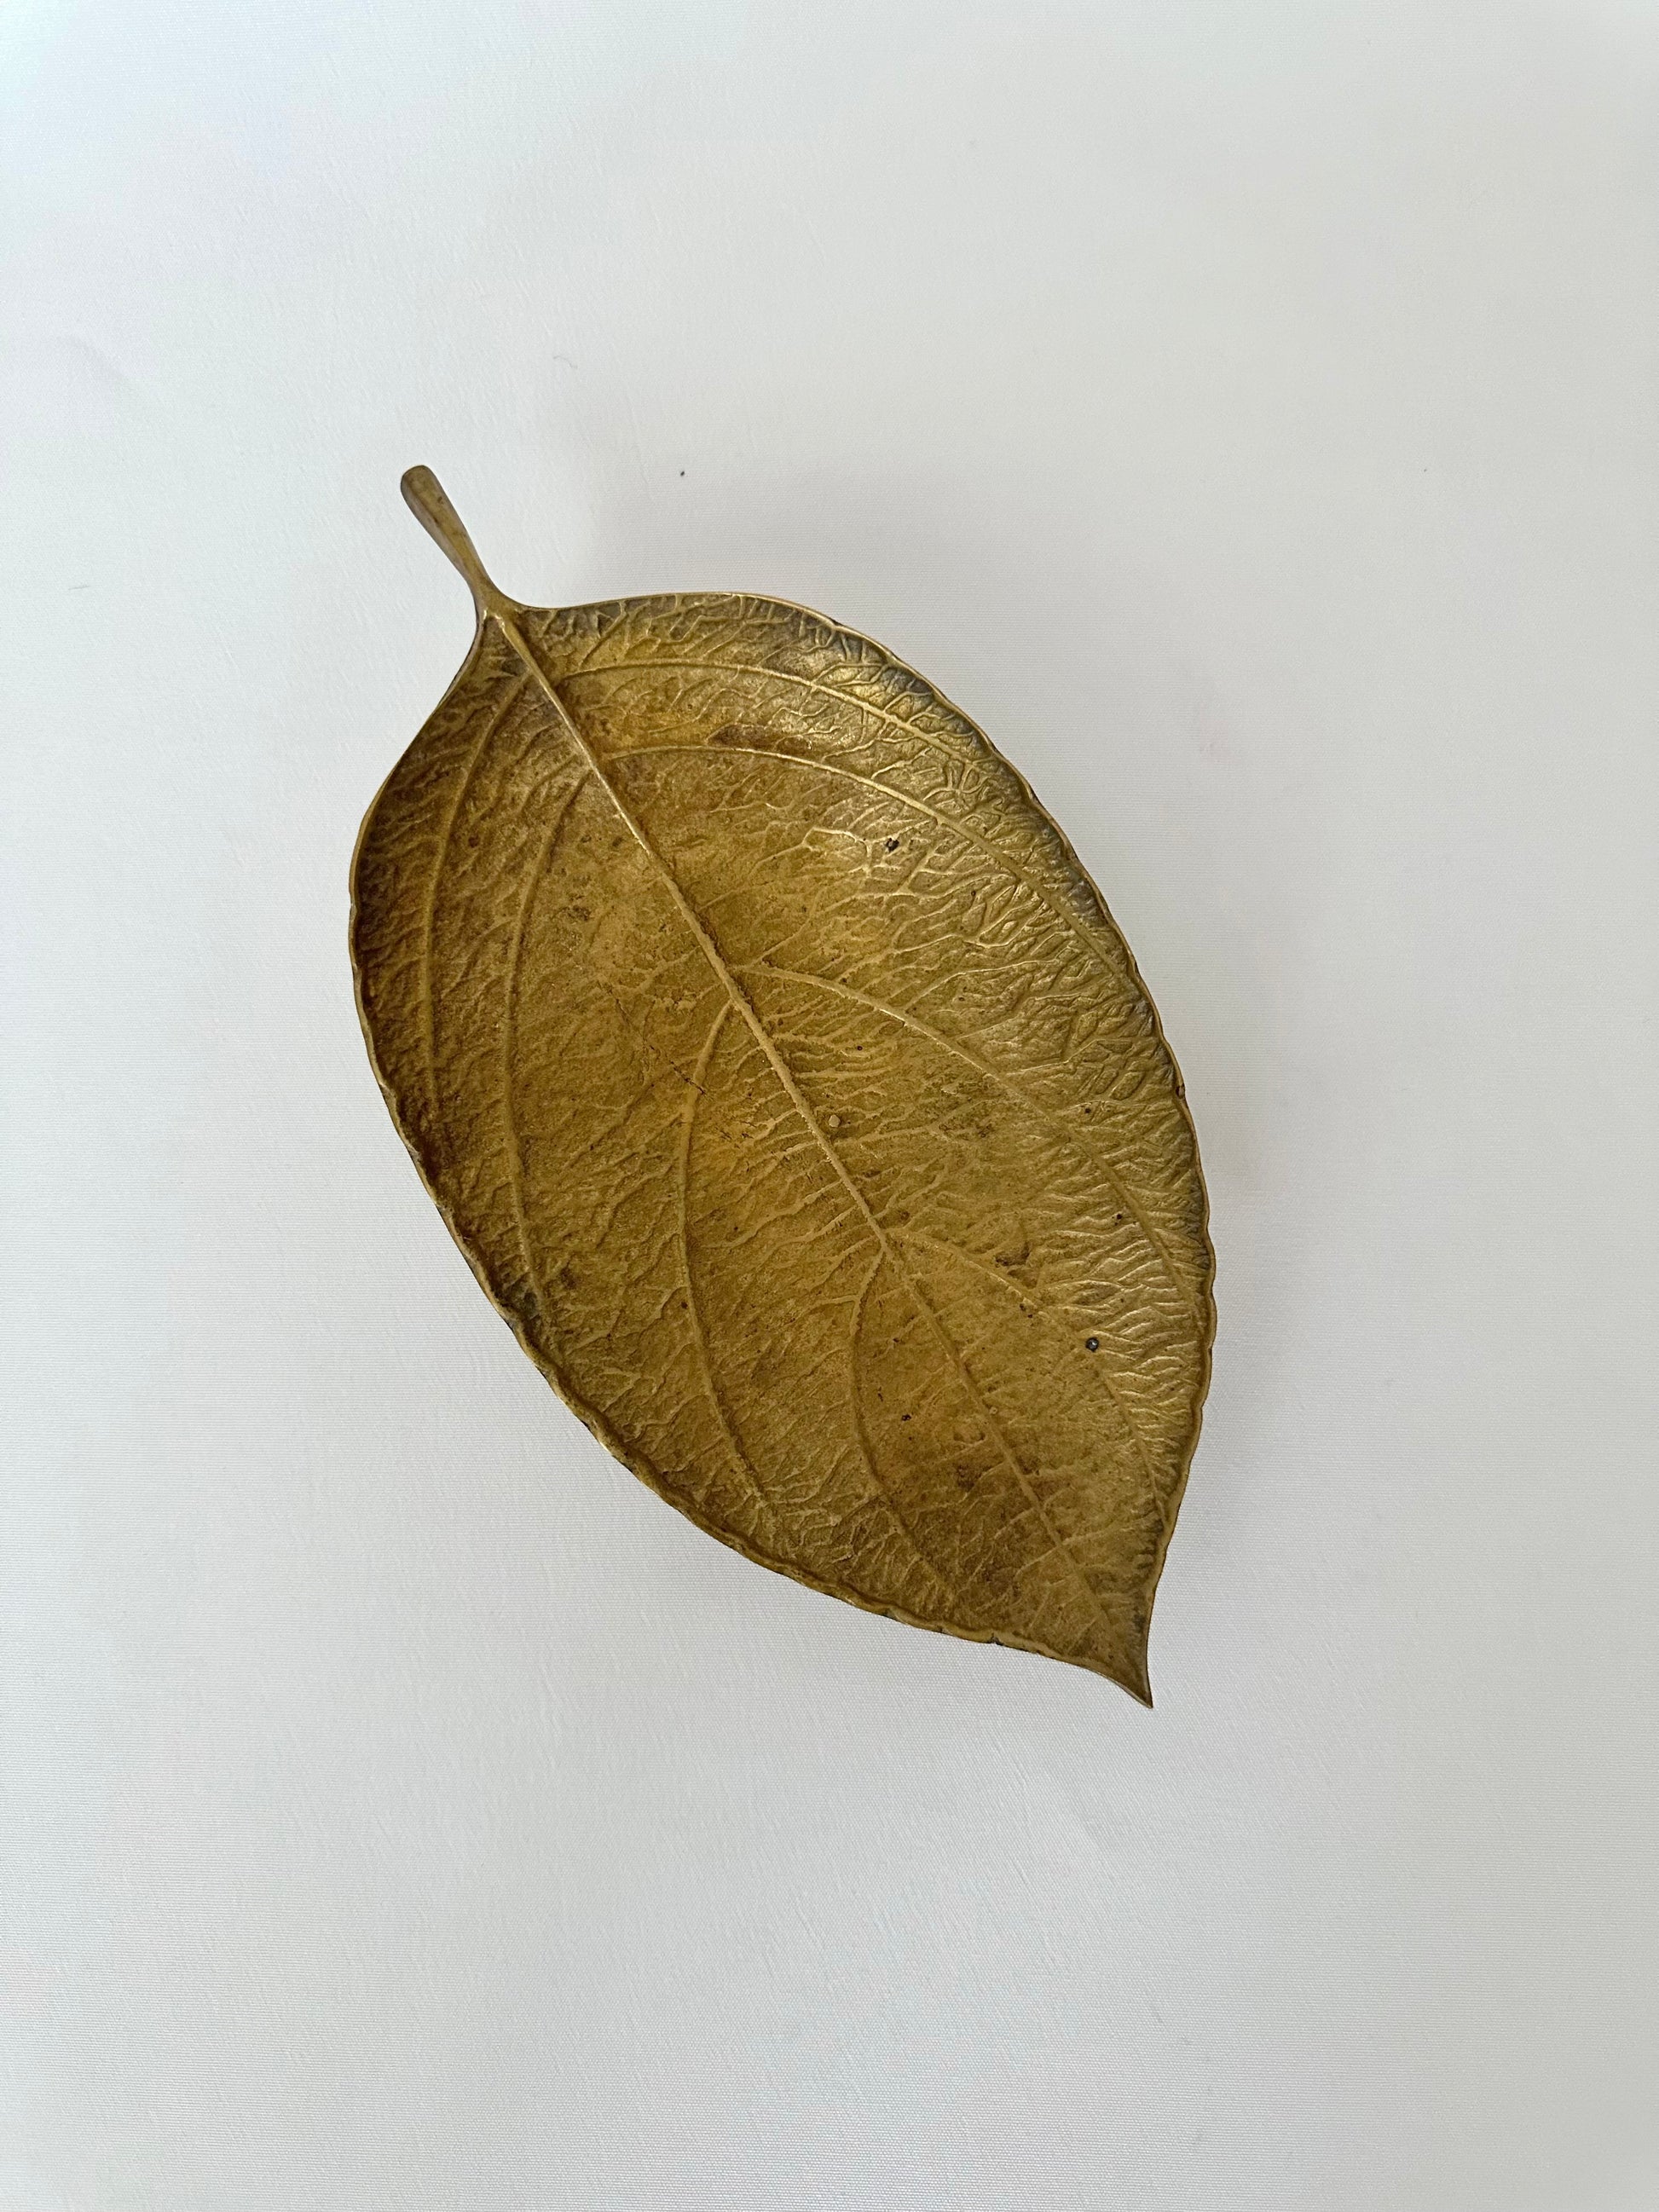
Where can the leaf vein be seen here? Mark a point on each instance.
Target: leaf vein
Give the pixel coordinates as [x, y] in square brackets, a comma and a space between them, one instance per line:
[440, 860]
[1095, 950]
[694, 1311]
[1075, 1137]
[995, 1274]
[509, 1036]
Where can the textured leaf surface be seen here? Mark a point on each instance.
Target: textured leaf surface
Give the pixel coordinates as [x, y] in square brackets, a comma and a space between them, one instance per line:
[794, 1096]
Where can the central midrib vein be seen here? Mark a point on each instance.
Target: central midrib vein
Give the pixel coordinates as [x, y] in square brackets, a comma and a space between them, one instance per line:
[742, 1006]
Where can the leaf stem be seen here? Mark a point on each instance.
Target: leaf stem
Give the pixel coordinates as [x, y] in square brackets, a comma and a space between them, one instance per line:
[430, 504]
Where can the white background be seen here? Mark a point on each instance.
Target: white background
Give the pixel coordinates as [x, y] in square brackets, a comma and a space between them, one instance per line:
[1246, 408]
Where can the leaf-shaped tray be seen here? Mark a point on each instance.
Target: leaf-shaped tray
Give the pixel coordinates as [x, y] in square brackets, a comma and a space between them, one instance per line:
[793, 1095]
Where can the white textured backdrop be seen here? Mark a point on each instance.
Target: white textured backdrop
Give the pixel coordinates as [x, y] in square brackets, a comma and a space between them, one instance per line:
[1246, 410]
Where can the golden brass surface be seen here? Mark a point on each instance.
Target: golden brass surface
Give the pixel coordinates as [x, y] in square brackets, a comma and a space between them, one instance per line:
[795, 1097]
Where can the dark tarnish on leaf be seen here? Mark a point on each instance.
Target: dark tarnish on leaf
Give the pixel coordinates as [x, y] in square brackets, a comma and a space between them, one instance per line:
[792, 1093]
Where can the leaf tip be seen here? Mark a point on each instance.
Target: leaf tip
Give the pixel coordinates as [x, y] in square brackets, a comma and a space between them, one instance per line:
[1127, 1666]
[1136, 1677]
[1120, 1657]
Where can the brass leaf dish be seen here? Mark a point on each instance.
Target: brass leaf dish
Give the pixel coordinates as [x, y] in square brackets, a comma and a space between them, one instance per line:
[794, 1096]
